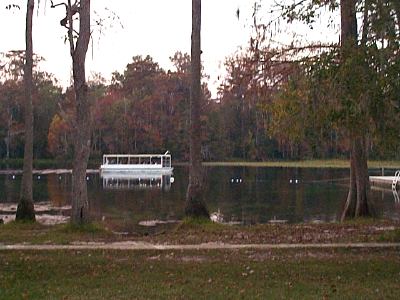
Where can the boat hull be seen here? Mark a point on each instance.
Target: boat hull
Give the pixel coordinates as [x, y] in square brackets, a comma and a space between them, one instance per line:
[156, 169]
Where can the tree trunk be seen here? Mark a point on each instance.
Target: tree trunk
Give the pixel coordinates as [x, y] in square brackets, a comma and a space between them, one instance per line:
[195, 206]
[80, 203]
[7, 141]
[25, 210]
[396, 5]
[348, 22]
[349, 208]
[363, 208]
[357, 204]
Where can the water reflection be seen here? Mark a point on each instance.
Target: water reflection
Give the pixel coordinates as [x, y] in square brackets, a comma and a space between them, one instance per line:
[234, 194]
[136, 181]
[396, 196]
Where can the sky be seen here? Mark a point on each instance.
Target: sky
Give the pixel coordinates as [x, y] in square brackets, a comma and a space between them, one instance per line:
[157, 28]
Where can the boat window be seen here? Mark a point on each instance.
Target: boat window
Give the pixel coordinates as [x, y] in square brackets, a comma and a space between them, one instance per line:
[156, 160]
[159, 160]
[166, 161]
[123, 160]
[133, 160]
[145, 160]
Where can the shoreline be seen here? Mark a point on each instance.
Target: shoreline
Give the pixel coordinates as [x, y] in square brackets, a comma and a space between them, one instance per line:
[41, 164]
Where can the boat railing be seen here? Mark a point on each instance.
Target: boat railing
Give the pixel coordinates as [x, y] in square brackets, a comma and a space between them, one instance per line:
[138, 159]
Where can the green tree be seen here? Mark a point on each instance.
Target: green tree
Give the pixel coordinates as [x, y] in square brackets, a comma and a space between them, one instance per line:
[358, 88]
[357, 203]
[147, 109]
[12, 98]
[46, 104]
[11, 122]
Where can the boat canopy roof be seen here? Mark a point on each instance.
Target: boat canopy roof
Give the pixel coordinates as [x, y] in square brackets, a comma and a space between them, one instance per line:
[166, 154]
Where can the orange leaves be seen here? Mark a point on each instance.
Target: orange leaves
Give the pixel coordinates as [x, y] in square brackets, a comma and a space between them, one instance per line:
[57, 136]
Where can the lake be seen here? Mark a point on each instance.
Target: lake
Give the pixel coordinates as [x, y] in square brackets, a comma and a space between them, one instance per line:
[240, 195]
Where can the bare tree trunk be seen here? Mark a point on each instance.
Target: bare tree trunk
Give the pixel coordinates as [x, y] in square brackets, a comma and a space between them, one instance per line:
[357, 203]
[195, 206]
[348, 20]
[349, 208]
[7, 139]
[363, 206]
[25, 210]
[80, 203]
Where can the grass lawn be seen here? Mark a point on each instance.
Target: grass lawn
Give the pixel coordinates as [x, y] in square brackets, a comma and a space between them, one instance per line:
[35, 233]
[360, 231]
[203, 274]
[333, 274]
[328, 163]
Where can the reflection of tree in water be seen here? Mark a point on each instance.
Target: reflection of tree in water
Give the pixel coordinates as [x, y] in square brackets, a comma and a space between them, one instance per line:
[9, 188]
[265, 194]
[10, 194]
[57, 189]
[396, 196]
[127, 203]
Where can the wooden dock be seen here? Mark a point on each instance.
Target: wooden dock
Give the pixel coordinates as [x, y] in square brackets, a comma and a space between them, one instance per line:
[47, 171]
[382, 181]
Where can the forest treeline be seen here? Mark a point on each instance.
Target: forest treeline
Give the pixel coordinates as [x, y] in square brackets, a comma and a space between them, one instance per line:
[267, 108]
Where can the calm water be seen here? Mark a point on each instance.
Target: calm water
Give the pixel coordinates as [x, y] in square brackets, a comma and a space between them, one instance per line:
[245, 195]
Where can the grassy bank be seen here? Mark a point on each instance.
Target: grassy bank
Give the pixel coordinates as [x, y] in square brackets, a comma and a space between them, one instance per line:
[248, 274]
[353, 232]
[331, 163]
[203, 274]
[334, 163]
[35, 233]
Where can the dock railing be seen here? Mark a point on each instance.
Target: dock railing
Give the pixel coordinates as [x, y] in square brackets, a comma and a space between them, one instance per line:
[395, 180]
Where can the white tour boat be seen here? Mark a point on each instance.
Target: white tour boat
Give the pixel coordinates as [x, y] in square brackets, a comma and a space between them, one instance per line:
[143, 163]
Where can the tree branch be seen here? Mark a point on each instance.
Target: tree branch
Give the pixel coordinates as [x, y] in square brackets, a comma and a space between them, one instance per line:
[70, 28]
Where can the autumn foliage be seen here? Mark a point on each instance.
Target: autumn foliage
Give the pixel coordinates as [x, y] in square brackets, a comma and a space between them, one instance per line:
[267, 108]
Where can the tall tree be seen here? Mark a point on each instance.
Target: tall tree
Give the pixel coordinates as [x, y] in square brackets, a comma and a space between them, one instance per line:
[354, 82]
[357, 203]
[82, 126]
[25, 210]
[80, 203]
[195, 205]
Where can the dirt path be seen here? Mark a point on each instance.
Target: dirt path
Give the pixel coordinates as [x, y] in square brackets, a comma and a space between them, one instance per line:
[205, 246]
